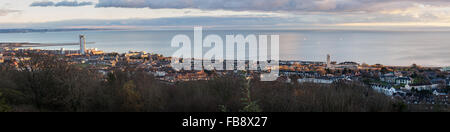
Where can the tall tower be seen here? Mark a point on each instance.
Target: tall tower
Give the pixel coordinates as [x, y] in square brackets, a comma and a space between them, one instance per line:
[82, 45]
[328, 61]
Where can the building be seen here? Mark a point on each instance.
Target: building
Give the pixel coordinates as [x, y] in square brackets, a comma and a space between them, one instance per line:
[448, 81]
[387, 90]
[436, 93]
[329, 61]
[136, 55]
[421, 87]
[1, 58]
[315, 80]
[95, 51]
[63, 51]
[82, 45]
[446, 69]
[347, 65]
[403, 80]
[389, 78]
[160, 74]
[439, 81]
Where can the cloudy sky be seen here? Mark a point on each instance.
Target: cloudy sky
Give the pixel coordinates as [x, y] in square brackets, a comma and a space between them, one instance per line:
[224, 13]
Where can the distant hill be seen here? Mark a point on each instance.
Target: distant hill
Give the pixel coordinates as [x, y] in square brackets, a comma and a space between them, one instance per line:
[44, 30]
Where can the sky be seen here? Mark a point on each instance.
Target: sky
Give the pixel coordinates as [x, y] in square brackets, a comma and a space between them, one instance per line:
[283, 14]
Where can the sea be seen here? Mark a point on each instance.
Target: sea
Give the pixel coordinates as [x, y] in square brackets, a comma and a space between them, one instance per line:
[397, 48]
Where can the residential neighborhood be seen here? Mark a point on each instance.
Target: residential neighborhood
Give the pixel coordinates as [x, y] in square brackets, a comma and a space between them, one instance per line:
[413, 84]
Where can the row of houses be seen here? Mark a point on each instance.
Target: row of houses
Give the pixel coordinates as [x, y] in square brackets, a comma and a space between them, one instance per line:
[315, 80]
[390, 90]
[387, 90]
[392, 79]
[421, 87]
[323, 80]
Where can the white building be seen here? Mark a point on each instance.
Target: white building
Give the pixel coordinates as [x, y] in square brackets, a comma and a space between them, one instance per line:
[421, 87]
[387, 90]
[314, 80]
[82, 44]
[435, 92]
[446, 69]
[329, 61]
[63, 51]
[160, 73]
[403, 80]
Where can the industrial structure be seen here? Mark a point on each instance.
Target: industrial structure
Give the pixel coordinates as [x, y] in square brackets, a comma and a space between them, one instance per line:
[82, 44]
[329, 61]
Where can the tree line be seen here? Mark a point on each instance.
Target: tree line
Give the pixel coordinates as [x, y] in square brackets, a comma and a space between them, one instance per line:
[51, 84]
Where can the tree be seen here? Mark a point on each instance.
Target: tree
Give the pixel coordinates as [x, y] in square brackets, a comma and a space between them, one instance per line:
[3, 106]
[321, 71]
[365, 65]
[384, 70]
[131, 98]
[249, 104]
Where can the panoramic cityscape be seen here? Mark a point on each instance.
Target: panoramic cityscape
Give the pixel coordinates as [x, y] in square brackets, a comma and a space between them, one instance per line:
[415, 84]
[224, 64]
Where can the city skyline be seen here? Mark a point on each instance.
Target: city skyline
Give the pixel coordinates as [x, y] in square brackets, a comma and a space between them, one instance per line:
[223, 64]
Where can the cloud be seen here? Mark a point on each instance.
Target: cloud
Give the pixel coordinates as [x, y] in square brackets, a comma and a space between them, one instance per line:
[247, 22]
[4, 12]
[237, 5]
[73, 3]
[60, 4]
[169, 23]
[42, 4]
[175, 21]
[274, 5]
[343, 13]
